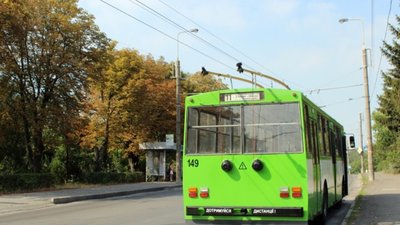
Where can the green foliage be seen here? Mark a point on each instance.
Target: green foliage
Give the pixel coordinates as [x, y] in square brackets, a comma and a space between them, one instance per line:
[25, 182]
[119, 162]
[58, 169]
[390, 161]
[48, 49]
[355, 161]
[71, 104]
[387, 117]
[197, 83]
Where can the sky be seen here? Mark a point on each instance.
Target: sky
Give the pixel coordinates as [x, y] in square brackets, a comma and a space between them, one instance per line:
[300, 42]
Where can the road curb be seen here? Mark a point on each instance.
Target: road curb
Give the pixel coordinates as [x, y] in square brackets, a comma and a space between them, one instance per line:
[69, 199]
[349, 212]
[352, 205]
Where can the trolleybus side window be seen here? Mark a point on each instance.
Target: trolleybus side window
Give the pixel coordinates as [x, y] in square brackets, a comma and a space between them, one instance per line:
[307, 124]
[332, 145]
[311, 136]
[339, 142]
[321, 142]
[314, 141]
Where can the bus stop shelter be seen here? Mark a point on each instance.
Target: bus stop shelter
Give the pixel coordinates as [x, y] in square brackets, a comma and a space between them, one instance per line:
[159, 156]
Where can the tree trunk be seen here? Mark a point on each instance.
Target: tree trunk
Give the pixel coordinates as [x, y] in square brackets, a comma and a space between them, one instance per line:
[28, 144]
[131, 163]
[38, 147]
[97, 160]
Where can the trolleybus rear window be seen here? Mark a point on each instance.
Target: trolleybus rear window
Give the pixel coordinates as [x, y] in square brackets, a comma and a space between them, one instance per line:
[261, 128]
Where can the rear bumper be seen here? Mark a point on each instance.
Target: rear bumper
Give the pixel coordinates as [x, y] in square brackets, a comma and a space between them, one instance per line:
[246, 212]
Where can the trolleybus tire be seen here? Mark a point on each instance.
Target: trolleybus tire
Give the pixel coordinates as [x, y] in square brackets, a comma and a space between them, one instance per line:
[324, 212]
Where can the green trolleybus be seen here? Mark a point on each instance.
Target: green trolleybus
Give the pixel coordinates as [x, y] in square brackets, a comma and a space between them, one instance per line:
[259, 155]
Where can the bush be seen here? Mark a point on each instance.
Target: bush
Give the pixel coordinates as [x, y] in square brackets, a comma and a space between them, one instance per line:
[25, 181]
[113, 177]
[58, 169]
[392, 162]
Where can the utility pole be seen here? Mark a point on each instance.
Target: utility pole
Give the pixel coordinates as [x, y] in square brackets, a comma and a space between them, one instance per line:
[371, 175]
[361, 145]
[178, 121]
[178, 108]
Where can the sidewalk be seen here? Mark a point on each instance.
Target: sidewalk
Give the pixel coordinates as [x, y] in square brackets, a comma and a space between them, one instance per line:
[36, 200]
[379, 203]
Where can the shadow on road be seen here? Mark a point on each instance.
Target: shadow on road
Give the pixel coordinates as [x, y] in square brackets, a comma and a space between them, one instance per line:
[376, 209]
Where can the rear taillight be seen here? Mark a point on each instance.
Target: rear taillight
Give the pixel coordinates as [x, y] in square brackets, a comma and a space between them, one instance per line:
[204, 192]
[193, 192]
[284, 192]
[296, 192]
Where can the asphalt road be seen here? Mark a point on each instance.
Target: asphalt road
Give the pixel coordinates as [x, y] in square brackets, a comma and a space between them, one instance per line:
[161, 208]
[156, 208]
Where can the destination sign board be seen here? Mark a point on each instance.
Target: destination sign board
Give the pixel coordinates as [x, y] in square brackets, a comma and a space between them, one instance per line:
[244, 96]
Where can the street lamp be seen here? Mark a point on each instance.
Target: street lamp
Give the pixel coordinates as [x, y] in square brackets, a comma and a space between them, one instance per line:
[371, 175]
[178, 106]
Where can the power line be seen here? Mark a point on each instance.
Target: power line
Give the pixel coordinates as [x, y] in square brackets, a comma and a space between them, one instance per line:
[332, 88]
[215, 36]
[340, 77]
[340, 102]
[167, 35]
[384, 39]
[225, 42]
[156, 13]
[168, 20]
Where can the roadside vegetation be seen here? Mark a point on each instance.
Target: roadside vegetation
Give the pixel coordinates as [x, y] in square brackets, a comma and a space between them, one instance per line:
[73, 107]
[387, 116]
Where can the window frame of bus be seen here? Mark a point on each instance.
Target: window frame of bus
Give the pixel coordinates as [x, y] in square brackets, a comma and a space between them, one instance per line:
[241, 125]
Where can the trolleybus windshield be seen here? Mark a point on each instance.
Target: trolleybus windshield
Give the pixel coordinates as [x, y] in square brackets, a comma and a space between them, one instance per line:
[236, 129]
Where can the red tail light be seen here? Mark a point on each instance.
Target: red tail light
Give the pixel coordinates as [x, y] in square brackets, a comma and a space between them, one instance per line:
[193, 192]
[204, 192]
[296, 192]
[284, 192]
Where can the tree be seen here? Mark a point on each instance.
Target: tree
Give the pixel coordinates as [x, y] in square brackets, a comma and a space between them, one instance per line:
[106, 97]
[387, 117]
[149, 109]
[198, 83]
[48, 49]
[131, 101]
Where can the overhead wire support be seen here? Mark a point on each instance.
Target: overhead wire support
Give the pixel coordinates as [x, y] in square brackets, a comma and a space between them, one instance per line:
[204, 72]
[240, 69]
